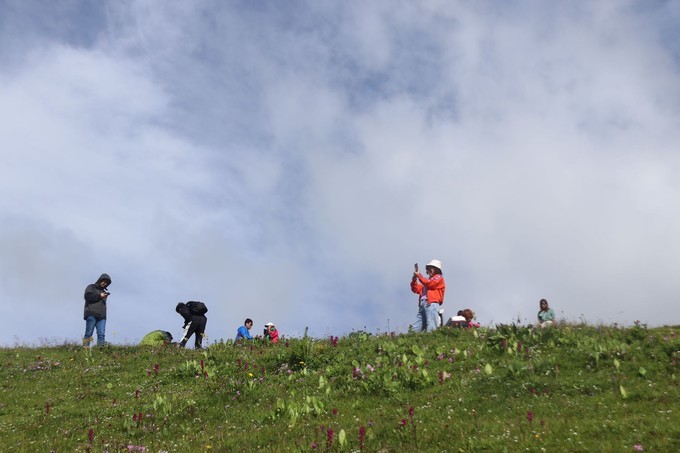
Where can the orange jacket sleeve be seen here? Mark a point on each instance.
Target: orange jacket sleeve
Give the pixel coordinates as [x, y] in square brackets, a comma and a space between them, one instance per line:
[416, 287]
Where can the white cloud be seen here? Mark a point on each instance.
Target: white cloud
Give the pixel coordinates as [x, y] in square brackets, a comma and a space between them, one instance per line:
[290, 166]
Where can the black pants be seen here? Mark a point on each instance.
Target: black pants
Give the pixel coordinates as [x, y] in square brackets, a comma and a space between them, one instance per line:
[194, 327]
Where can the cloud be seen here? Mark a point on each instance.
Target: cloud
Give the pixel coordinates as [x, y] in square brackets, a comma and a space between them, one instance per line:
[290, 165]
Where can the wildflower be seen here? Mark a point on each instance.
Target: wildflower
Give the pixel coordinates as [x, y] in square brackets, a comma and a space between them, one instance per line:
[530, 416]
[90, 435]
[329, 436]
[411, 410]
[136, 394]
[638, 447]
[335, 411]
[314, 445]
[362, 435]
[403, 422]
[370, 367]
[155, 368]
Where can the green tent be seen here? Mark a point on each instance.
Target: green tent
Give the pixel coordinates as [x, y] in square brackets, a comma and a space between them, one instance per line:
[156, 338]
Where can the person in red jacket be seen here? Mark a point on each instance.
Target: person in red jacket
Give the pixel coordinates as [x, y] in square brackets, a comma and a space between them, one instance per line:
[431, 290]
[270, 332]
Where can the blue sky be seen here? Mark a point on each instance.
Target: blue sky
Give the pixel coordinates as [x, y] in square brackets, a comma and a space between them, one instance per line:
[290, 164]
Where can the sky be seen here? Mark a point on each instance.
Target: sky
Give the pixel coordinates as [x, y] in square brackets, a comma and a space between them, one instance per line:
[290, 161]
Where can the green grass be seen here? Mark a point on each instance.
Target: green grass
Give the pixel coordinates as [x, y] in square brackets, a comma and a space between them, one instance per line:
[570, 388]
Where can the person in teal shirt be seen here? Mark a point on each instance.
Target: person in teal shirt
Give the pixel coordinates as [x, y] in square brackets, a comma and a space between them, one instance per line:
[546, 316]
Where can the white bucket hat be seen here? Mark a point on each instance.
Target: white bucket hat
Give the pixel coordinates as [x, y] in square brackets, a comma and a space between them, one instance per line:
[435, 263]
[269, 324]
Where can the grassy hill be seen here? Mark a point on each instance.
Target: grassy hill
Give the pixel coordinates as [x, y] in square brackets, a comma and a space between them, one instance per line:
[570, 388]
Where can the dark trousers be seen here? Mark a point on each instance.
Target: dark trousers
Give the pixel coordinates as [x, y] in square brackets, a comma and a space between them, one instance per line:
[195, 327]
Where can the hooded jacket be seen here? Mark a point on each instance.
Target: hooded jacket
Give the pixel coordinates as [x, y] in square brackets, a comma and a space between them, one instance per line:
[95, 305]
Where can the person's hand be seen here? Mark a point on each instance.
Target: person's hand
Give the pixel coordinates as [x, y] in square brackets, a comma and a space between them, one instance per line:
[104, 295]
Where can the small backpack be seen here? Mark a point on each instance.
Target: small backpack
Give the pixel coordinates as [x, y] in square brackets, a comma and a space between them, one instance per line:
[197, 308]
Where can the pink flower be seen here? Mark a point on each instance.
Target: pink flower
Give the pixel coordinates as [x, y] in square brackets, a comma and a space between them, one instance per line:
[411, 411]
[90, 435]
[329, 436]
[638, 447]
[530, 416]
[403, 422]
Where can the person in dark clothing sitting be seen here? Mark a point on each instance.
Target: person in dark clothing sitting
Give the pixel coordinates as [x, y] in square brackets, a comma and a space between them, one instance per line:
[193, 313]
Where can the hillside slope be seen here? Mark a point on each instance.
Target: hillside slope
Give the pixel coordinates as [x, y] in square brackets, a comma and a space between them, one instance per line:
[570, 388]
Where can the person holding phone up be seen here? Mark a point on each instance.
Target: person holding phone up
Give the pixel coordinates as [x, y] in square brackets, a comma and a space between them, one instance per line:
[430, 292]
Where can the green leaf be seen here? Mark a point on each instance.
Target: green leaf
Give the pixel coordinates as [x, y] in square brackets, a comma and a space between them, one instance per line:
[624, 394]
[342, 438]
[488, 369]
[642, 371]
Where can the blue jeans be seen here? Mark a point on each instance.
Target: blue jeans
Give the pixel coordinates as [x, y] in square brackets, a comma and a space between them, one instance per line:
[432, 314]
[90, 323]
[421, 318]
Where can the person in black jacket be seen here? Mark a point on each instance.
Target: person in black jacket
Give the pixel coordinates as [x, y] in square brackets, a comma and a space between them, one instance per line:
[193, 313]
[94, 314]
